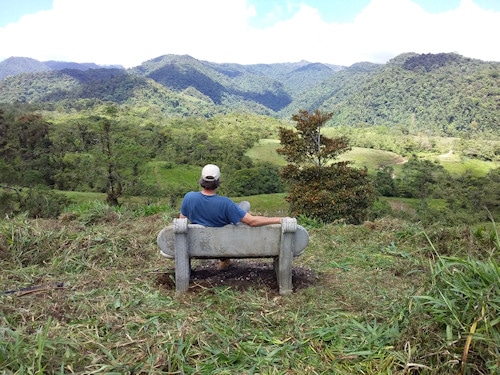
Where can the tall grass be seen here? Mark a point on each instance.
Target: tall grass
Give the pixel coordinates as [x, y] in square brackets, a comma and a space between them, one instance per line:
[462, 313]
[117, 311]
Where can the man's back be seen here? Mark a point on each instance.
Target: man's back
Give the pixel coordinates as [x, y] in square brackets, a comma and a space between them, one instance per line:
[210, 210]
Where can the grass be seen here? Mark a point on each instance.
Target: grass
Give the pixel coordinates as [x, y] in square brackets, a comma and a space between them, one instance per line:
[371, 159]
[386, 297]
[456, 164]
[167, 176]
[459, 166]
[82, 197]
[356, 312]
[267, 204]
[413, 203]
[265, 151]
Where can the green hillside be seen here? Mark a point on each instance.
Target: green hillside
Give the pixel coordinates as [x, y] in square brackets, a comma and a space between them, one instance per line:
[446, 93]
[75, 89]
[443, 93]
[265, 151]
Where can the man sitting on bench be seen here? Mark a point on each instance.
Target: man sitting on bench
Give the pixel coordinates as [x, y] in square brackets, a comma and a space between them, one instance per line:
[209, 209]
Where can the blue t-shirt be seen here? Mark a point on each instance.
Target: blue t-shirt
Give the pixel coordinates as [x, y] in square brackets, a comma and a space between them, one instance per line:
[210, 210]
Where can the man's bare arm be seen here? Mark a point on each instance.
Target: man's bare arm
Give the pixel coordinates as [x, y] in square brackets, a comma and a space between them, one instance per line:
[257, 221]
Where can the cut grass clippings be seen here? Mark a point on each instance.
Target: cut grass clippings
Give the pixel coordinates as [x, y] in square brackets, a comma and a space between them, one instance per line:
[107, 303]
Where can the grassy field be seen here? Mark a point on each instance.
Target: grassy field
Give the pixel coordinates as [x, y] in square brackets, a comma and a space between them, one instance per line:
[265, 151]
[105, 302]
[458, 166]
[372, 159]
[165, 176]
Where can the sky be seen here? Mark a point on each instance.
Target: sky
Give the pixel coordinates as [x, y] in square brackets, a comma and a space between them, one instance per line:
[339, 32]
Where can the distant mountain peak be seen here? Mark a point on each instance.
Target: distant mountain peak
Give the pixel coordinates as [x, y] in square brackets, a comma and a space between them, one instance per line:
[18, 65]
[430, 61]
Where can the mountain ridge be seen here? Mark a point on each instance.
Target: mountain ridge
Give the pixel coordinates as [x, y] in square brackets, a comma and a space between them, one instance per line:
[445, 92]
[15, 65]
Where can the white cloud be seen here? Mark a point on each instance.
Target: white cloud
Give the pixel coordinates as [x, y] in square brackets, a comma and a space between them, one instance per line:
[129, 32]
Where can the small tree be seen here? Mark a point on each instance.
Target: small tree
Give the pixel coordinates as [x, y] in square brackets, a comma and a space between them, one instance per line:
[318, 186]
[384, 181]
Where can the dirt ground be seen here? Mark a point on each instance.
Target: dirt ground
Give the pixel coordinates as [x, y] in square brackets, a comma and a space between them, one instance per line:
[241, 275]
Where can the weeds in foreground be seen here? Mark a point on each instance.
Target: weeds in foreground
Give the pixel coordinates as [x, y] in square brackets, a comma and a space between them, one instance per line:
[358, 313]
[461, 308]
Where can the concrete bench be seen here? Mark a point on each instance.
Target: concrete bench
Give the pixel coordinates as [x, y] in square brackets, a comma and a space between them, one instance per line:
[182, 242]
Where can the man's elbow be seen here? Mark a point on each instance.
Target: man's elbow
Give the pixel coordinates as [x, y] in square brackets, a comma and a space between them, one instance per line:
[251, 221]
[254, 223]
[257, 221]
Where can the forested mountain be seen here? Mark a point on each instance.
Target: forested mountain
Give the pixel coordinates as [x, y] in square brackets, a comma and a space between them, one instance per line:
[18, 65]
[60, 65]
[83, 89]
[444, 93]
[271, 86]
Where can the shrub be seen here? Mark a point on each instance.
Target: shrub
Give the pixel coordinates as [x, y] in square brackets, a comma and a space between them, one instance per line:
[319, 187]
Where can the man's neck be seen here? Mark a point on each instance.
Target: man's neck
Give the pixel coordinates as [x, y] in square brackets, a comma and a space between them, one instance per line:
[208, 192]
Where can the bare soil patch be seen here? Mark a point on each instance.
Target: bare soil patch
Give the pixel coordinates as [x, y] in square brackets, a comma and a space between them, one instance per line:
[243, 274]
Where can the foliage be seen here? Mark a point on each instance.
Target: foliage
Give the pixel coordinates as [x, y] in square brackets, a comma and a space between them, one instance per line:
[384, 181]
[58, 149]
[461, 310]
[419, 179]
[474, 196]
[43, 203]
[380, 209]
[464, 198]
[319, 187]
[35, 202]
[261, 179]
[107, 141]
[25, 149]
[444, 93]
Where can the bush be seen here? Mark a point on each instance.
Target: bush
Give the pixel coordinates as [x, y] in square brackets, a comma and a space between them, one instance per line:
[262, 179]
[321, 188]
[44, 203]
[380, 208]
[36, 202]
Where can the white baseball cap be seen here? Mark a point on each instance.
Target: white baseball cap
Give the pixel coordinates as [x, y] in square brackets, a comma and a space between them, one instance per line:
[210, 172]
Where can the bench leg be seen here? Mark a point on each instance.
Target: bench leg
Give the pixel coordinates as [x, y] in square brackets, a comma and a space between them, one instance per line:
[182, 273]
[284, 274]
[182, 261]
[284, 262]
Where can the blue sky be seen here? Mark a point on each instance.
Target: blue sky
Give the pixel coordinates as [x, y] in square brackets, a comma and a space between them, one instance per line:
[346, 10]
[342, 32]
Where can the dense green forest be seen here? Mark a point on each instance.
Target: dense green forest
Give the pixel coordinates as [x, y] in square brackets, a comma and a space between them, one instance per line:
[120, 148]
[119, 152]
[446, 94]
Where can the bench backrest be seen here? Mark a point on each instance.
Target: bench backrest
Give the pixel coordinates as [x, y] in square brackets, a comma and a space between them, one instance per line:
[236, 241]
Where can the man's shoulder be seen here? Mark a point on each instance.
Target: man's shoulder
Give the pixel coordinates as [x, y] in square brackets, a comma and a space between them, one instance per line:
[224, 199]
